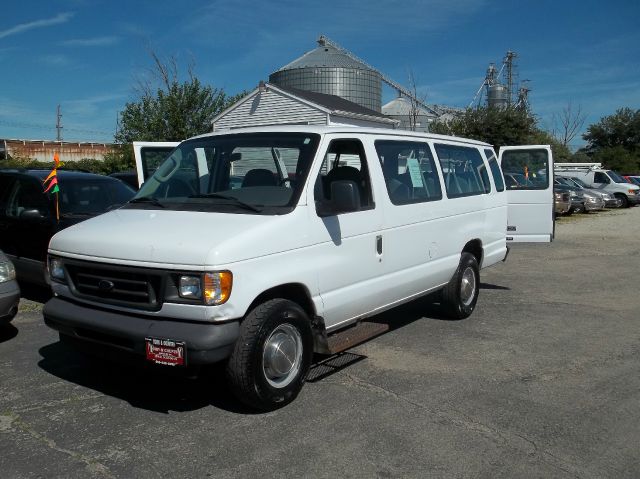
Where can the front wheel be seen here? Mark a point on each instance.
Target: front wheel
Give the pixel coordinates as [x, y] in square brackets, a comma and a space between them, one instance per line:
[272, 355]
[624, 201]
[460, 295]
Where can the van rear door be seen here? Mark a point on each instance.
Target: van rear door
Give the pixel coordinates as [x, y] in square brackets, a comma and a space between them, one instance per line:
[149, 155]
[528, 174]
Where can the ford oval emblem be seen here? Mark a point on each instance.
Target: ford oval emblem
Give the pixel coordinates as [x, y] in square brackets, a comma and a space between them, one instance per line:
[105, 285]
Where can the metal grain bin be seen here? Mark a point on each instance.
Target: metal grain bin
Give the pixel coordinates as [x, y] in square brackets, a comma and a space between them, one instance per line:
[329, 70]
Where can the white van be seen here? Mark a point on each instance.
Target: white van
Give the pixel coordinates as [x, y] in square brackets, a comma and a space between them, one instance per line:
[261, 246]
[594, 176]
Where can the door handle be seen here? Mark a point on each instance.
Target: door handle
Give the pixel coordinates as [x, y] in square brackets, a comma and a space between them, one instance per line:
[379, 244]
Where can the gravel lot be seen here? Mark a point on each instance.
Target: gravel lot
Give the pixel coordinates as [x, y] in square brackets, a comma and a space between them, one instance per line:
[542, 381]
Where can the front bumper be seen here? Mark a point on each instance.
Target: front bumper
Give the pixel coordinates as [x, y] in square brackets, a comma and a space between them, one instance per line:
[594, 205]
[634, 199]
[206, 343]
[613, 203]
[9, 299]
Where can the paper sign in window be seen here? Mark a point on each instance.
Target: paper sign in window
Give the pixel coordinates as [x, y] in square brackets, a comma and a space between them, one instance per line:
[414, 171]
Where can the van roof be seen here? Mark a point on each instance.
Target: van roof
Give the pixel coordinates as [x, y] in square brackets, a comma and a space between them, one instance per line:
[322, 130]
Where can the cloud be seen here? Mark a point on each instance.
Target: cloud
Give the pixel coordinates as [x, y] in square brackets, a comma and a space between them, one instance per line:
[47, 22]
[90, 42]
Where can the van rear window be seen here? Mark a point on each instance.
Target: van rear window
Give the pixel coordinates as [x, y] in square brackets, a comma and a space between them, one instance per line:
[526, 169]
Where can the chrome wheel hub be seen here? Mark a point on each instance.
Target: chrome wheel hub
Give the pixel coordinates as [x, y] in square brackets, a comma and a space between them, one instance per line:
[282, 355]
[467, 286]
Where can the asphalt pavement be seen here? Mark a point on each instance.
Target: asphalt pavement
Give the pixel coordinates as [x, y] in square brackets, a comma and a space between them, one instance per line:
[541, 381]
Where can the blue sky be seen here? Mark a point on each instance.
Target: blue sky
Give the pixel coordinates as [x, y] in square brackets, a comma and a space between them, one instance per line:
[88, 55]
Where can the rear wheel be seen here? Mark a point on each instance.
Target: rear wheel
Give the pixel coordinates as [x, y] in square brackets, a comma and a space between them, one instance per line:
[459, 297]
[272, 356]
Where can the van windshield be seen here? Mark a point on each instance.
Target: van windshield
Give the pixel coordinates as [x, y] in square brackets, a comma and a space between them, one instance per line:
[250, 173]
[616, 177]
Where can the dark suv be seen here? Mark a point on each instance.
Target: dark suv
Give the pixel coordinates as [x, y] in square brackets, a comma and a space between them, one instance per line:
[28, 215]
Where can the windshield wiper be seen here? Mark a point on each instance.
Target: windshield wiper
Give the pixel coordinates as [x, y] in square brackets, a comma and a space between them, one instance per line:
[148, 199]
[225, 197]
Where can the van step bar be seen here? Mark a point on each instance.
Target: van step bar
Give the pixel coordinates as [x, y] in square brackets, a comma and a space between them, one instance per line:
[348, 338]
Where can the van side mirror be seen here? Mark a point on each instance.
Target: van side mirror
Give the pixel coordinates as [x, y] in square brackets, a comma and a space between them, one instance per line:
[345, 198]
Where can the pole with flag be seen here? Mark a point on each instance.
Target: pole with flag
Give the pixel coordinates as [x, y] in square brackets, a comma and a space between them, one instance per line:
[50, 183]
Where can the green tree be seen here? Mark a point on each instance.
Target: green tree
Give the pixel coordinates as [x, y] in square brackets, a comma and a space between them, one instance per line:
[620, 129]
[496, 126]
[615, 141]
[174, 111]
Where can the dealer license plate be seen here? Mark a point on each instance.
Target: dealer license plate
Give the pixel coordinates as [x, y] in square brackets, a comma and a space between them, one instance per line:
[166, 351]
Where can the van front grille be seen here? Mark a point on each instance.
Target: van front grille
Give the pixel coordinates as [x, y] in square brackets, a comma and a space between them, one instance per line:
[118, 285]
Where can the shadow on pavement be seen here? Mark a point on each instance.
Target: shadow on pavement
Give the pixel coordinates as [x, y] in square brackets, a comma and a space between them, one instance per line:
[154, 388]
[142, 385]
[494, 286]
[7, 332]
[32, 292]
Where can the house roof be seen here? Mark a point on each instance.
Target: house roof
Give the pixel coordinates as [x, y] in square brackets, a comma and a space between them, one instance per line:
[331, 102]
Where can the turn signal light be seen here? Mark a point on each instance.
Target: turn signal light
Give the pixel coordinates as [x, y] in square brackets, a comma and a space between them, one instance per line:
[217, 287]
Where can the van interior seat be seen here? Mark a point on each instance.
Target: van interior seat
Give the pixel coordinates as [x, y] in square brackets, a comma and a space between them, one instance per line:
[344, 173]
[398, 191]
[259, 177]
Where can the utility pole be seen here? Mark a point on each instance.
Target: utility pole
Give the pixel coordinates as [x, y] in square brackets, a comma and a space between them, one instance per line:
[59, 124]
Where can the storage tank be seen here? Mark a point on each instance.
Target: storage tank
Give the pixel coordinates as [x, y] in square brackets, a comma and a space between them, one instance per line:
[330, 70]
[497, 96]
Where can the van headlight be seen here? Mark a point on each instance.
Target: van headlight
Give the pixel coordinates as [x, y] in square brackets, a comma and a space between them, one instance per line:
[56, 269]
[211, 288]
[7, 271]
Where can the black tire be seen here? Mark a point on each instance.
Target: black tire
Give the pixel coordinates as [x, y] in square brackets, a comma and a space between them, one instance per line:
[270, 336]
[460, 296]
[624, 199]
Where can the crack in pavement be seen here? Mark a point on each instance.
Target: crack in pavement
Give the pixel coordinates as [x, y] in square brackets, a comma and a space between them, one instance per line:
[9, 421]
[462, 420]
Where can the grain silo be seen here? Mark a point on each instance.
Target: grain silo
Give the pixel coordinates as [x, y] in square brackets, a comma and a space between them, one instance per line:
[330, 70]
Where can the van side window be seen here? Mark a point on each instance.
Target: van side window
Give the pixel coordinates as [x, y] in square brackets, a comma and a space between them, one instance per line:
[599, 177]
[464, 171]
[345, 160]
[409, 171]
[26, 196]
[495, 169]
[526, 169]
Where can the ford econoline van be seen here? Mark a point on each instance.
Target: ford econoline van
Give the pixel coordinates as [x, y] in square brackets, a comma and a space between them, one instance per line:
[260, 247]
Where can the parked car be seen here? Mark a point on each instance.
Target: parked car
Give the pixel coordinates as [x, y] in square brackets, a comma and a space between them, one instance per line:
[577, 197]
[597, 177]
[9, 290]
[592, 201]
[129, 177]
[562, 202]
[634, 180]
[28, 215]
[610, 201]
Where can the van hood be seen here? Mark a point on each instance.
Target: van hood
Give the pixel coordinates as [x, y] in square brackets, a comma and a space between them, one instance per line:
[180, 238]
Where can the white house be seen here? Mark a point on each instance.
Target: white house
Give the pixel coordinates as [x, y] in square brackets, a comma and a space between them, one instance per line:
[276, 105]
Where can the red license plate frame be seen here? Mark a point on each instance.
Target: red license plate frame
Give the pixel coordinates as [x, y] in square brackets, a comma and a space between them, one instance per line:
[167, 352]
